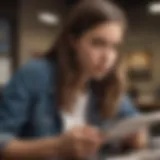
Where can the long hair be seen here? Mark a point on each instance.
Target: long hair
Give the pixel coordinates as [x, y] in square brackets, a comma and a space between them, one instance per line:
[83, 17]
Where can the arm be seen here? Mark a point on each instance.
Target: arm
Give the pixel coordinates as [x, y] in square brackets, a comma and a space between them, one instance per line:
[23, 149]
[140, 139]
[14, 105]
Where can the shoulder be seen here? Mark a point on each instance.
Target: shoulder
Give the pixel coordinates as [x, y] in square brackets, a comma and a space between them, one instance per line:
[127, 107]
[36, 67]
[36, 74]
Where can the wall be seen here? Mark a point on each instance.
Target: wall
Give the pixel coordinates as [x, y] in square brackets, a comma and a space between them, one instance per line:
[33, 35]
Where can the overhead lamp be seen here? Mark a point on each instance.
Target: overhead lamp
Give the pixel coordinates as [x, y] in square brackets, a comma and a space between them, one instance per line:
[48, 18]
[154, 8]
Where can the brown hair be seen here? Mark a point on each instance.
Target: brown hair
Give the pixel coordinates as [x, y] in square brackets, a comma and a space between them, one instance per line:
[85, 16]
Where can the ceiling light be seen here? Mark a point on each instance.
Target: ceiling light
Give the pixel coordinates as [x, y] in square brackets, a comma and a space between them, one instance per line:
[154, 8]
[48, 18]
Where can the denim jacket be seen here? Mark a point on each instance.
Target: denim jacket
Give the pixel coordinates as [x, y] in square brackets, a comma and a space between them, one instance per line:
[28, 106]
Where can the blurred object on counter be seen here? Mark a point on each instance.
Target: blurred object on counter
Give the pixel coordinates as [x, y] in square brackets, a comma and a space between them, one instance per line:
[139, 66]
[133, 92]
[157, 94]
[146, 99]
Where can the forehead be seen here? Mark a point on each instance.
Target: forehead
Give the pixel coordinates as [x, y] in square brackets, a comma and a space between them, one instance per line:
[112, 31]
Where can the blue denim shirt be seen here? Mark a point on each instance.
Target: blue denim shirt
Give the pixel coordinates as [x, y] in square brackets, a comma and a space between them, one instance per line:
[28, 105]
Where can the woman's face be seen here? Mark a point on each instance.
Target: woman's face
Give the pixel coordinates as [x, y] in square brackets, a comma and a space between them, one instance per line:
[97, 49]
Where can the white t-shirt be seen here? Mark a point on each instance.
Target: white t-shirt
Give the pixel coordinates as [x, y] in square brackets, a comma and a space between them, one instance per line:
[77, 117]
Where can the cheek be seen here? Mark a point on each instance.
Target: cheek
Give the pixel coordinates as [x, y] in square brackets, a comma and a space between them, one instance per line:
[95, 56]
[88, 54]
[111, 59]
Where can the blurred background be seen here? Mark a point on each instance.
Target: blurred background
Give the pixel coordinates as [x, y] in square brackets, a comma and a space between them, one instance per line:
[29, 27]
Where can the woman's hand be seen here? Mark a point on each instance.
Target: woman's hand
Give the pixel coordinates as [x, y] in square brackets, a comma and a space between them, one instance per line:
[80, 142]
[138, 140]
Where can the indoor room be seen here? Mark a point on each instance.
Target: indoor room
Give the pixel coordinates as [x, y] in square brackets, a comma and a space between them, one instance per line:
[116, 58]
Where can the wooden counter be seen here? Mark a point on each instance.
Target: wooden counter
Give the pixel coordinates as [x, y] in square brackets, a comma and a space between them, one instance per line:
[149, 105]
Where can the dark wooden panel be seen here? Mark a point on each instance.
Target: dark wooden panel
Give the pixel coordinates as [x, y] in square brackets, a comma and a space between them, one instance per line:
[9, 10]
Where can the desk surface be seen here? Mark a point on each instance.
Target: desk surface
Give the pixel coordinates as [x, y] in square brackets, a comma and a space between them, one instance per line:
[146, 154]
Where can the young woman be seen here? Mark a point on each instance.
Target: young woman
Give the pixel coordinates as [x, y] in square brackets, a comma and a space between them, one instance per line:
[53, 106]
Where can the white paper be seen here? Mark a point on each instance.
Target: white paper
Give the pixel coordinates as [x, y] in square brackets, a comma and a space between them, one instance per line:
[131, 125]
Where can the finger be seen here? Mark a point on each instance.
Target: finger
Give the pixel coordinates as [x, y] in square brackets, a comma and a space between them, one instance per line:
[93, 131]
[88, 136]
[83, 151]
[93, 139]
[80, 151]
[90, 150]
